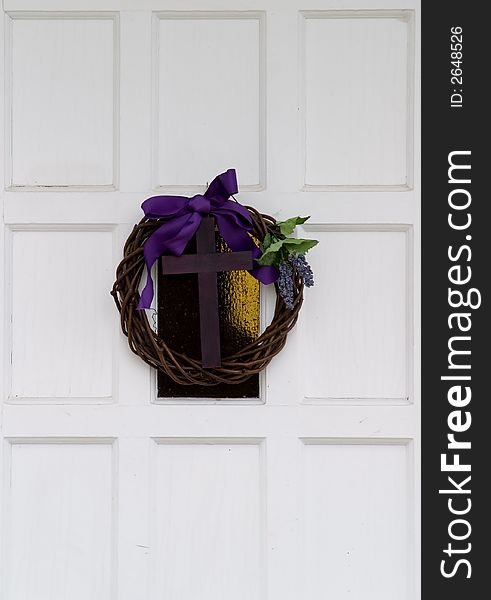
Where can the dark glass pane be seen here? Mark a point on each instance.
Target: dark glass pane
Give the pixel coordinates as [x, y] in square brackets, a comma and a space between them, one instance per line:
[178, 324]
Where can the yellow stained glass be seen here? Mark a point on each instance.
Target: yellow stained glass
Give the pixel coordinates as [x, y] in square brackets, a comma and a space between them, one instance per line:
[238, 296]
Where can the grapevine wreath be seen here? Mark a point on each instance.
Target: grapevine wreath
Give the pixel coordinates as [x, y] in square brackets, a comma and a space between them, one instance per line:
[168, 225]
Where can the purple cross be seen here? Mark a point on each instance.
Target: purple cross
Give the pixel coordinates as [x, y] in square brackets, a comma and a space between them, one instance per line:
[206, 262]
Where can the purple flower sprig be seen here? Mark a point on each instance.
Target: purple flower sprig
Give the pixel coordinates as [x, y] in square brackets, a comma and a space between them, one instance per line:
[288, 255]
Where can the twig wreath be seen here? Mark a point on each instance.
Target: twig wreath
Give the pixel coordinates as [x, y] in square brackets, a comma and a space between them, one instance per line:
[168, 225]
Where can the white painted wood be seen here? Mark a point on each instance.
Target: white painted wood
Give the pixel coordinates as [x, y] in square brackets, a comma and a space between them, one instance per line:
[59, 542]
[340, 207]
[207, 503]
[355, 521]
[135, 149]
[334, 439]
[283, 535]
[61, 329]
[357, 326]
[355, 99]
[208, 99]
[273, 422]
[194, 5]
[133, 531]
[62, 101]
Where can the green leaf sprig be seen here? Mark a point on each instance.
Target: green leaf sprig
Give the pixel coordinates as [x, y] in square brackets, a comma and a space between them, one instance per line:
[277, 246]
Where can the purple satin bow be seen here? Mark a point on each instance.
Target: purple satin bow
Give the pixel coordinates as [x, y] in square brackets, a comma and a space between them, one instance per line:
[181, 218]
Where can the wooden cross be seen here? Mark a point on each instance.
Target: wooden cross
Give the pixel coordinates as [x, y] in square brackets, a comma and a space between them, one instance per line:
[206, 262]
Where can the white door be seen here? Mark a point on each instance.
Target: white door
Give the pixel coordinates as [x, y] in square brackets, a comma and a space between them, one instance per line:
[310, 491]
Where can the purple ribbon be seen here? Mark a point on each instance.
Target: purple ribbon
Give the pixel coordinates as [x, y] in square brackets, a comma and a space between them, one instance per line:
[181, 218]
